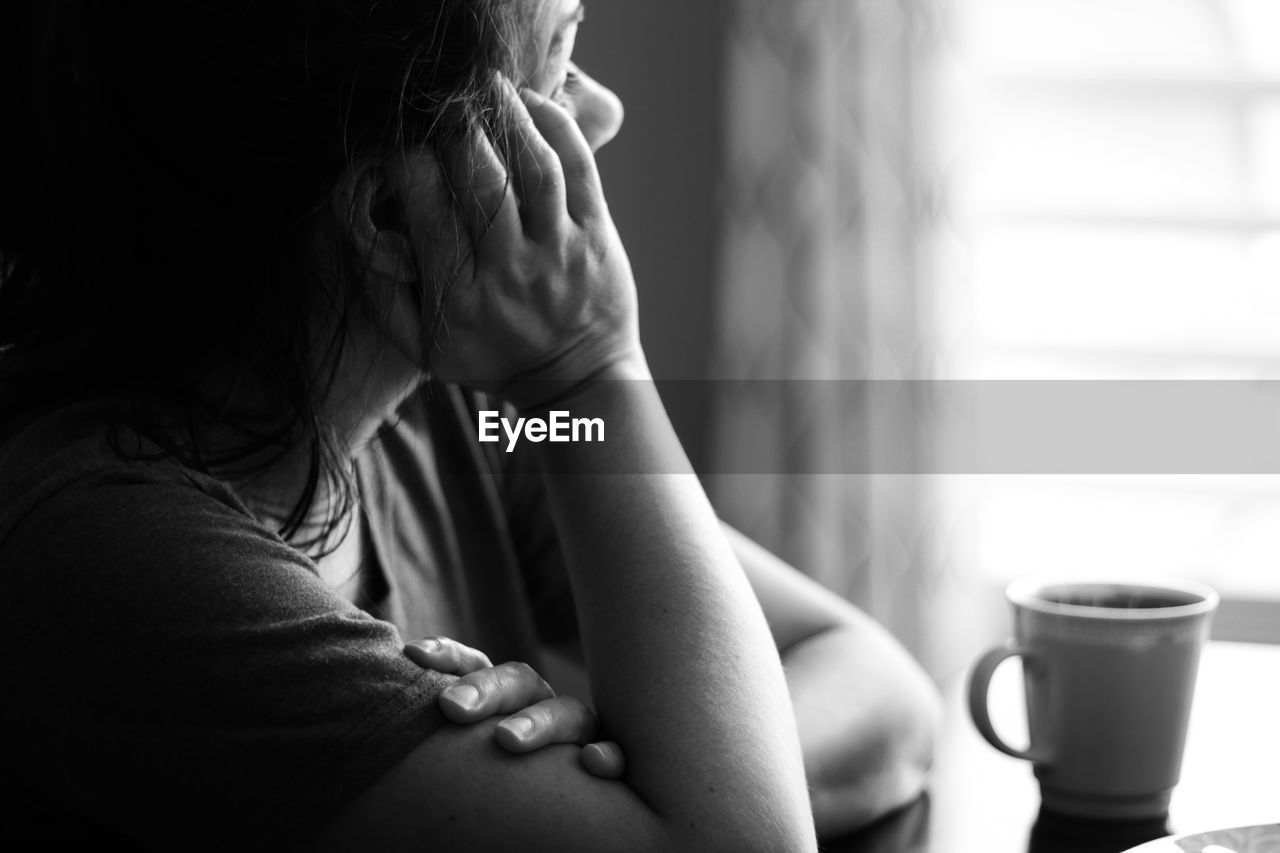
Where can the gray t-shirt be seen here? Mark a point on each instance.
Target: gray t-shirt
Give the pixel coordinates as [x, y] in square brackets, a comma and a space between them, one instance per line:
[178, 676]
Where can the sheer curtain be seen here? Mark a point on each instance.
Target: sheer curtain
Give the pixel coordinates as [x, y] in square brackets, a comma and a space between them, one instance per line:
[820, 288]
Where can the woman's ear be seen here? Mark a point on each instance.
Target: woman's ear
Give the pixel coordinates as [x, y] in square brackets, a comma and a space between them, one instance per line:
[369, 211]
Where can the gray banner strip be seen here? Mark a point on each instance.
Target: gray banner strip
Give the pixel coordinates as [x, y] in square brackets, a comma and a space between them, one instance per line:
[983, 427]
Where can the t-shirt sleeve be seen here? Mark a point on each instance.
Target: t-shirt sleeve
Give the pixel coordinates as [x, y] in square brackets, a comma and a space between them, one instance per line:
[184, 675]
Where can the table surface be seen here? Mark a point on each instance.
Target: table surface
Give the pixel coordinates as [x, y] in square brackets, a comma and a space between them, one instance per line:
[982, 801]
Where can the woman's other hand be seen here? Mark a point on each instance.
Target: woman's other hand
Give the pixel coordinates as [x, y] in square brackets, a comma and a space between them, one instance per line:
[547, 299]
[538, 717]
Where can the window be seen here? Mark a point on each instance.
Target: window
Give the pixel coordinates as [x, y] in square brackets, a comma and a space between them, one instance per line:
[1111, 171]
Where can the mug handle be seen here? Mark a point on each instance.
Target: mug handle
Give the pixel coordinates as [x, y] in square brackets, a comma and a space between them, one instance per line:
[980, 683]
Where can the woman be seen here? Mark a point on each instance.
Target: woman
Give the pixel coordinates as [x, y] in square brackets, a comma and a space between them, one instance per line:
[252, 255]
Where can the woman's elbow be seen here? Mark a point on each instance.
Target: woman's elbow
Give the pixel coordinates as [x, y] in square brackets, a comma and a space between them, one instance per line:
[917, 715]
[897, 758]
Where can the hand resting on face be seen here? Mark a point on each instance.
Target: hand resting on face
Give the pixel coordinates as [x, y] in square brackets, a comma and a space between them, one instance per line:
[547, 300]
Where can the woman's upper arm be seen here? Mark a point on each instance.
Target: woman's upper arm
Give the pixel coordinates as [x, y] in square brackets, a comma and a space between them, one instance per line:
[459, 791]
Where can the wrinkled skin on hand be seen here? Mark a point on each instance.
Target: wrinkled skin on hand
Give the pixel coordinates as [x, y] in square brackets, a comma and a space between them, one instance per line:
[547, 299]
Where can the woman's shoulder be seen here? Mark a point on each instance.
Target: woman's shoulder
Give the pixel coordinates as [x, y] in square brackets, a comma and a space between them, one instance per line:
[84, 456]
[178, 654]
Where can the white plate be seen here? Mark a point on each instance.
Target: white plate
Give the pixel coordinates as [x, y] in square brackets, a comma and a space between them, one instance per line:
[1263, 838]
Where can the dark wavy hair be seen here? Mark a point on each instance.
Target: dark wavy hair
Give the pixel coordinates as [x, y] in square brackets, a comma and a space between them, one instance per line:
[163, 168]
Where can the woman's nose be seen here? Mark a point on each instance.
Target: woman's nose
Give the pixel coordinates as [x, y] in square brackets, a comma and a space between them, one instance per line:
[597, 110]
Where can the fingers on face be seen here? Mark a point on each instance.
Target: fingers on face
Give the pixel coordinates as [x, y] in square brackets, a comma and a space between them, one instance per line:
[552, 170]
[445, 655]
[583, 195]
[502, 689]
[481, 186]
[560, 719]
[535, 169]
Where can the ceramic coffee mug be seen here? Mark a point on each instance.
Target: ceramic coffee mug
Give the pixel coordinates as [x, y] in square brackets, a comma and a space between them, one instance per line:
[1109, 670]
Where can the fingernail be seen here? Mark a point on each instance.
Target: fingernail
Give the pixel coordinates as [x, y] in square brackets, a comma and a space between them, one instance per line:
[520, 727]
[464, 696]
[429, 644]
[531, 97]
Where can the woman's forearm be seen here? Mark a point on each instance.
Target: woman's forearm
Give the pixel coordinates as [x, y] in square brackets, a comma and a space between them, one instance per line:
[683, 669]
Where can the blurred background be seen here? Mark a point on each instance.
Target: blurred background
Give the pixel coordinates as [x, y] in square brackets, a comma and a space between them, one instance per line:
[814, 191]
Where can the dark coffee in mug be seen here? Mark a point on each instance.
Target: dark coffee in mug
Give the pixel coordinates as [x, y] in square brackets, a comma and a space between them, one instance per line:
[1126, 598]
